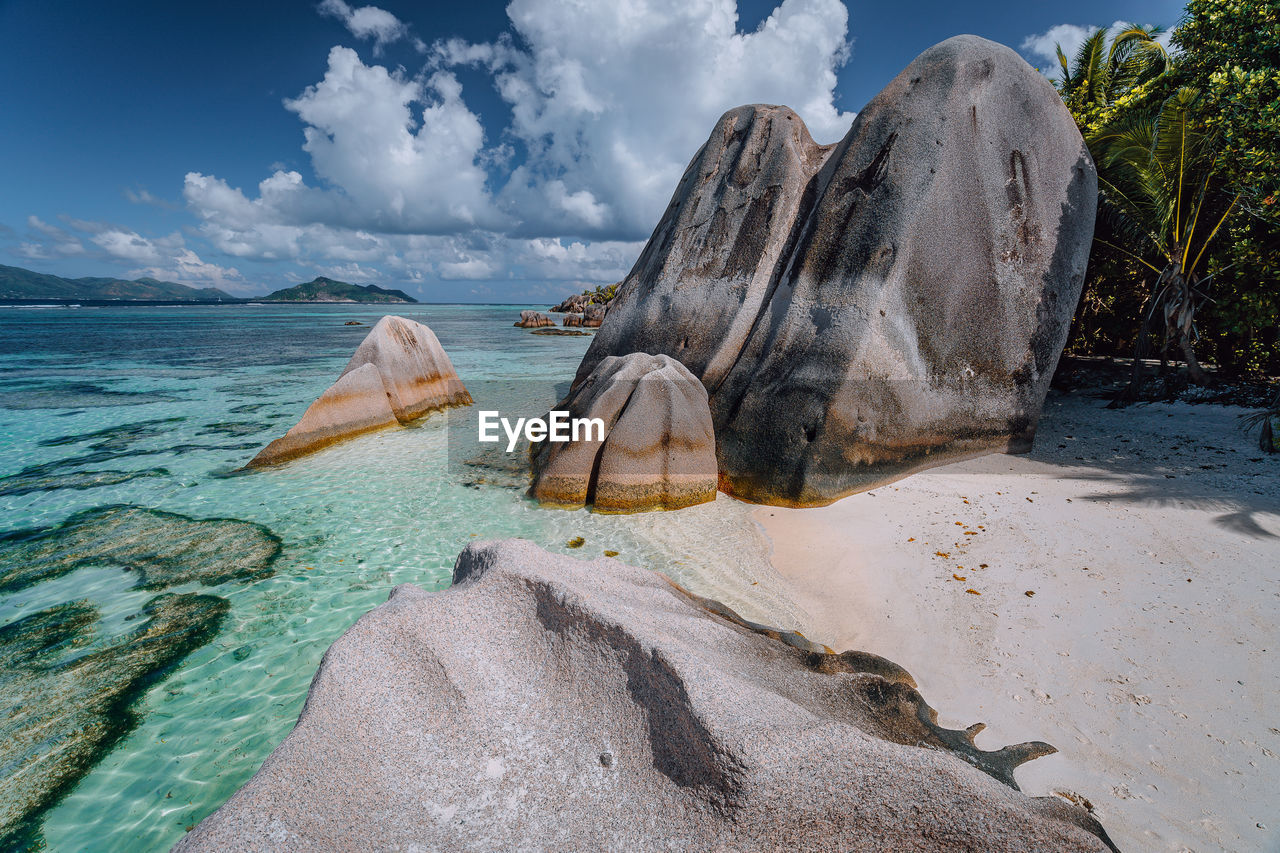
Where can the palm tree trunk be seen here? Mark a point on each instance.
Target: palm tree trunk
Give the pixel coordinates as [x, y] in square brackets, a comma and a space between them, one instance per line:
[1194, 371]
[1183, 322]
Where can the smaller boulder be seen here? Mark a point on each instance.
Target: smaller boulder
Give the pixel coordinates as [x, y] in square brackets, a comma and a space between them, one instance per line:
[533, 320]
[658, 450]
[398, 374]
[572, 304]
[572, 320]
[593, 316]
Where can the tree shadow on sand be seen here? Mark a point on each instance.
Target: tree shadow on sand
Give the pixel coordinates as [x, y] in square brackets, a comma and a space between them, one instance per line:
[1239, 512]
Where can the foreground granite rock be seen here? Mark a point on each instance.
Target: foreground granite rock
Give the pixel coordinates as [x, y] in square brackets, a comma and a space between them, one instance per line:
[658, 448]
[398, 374]
[546, 703]
[864, 310]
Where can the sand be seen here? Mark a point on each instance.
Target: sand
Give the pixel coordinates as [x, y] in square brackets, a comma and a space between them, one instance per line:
[1149, 651]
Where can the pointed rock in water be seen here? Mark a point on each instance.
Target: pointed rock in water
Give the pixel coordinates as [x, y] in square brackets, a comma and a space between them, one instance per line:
[533, 320]
[549, 703]
[68, 702]
[398, 374]
[658, 450]
[861, 311]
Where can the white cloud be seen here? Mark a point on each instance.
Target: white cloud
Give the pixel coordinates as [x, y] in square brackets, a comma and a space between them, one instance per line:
[1044, 45]
[186, 267]
[1070, 37]
[399, 171]
[50, 241]
[609, 102]
[142, 196]
[368, 22]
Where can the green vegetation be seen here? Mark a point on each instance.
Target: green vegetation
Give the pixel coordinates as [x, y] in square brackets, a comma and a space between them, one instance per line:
[1187, 144]
[323, 289]
[603, 294]
[19, 283]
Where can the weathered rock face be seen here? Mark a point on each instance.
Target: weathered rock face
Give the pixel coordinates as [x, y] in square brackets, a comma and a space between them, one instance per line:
[547, 703]
[533, 320]
[658, 449]
[398, 373]
[862, 311]
[572, 304]
[593, 316]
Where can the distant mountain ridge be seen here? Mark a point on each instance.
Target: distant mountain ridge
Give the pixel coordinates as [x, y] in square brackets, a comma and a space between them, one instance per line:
[19, 283]
[321, 289]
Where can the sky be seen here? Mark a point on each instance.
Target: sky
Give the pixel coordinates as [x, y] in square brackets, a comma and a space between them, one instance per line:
[465, 152]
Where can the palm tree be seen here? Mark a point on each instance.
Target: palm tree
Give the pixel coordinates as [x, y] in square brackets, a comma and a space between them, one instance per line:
[1159, 193]
[1103, 73]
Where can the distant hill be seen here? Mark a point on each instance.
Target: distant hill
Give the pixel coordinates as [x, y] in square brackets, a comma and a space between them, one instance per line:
[17, 283]
[324, 289]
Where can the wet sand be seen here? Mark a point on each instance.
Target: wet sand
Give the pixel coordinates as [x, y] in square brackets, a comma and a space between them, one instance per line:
[1149, 649]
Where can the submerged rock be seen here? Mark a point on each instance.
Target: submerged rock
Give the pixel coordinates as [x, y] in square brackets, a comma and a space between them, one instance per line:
[44, 480]
[67, 700]
[657, 452]
[863, 310]
[564, 333]
[534, 320]
[398, 373]
[162, 549]
[549, 703]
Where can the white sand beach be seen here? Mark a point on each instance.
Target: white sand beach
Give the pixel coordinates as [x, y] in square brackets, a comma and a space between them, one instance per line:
[1128, 610]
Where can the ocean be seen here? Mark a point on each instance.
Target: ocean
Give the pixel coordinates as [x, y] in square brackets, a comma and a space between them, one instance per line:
[123, 429]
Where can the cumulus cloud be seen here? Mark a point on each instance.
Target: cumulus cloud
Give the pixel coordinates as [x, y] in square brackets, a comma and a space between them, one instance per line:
[606, 145]
[368, 22]
[608, 103]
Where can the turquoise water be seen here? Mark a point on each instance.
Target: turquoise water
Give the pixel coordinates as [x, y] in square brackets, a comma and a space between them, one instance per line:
[200, 389]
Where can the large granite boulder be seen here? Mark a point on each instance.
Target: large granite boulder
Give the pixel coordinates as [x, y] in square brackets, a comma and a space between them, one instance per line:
[547, 703]
[398, 374]
[658, 448]
[861, 311]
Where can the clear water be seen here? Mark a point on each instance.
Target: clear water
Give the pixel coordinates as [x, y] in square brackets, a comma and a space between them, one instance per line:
[355, 519]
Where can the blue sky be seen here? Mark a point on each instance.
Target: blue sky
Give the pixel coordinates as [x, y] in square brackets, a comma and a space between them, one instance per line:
[463, 151]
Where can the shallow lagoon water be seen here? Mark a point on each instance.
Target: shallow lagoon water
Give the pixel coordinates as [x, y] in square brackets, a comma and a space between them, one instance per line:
[182, 396]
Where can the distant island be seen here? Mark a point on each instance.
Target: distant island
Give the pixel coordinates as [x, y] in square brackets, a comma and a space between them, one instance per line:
[321, 289]
[23, 285]
[19, 283]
